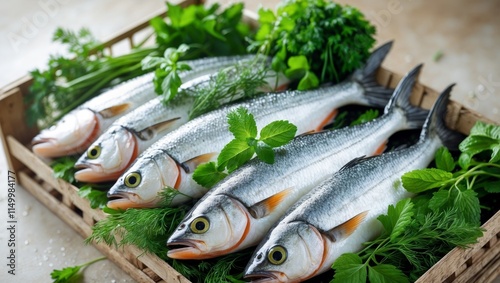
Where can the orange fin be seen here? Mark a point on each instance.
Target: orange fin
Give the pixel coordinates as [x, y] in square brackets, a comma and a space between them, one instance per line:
[192, 163]
[381, 148]
[151, 131]
[328, 119]
[266, 206]
[345, 229]
[114, 110]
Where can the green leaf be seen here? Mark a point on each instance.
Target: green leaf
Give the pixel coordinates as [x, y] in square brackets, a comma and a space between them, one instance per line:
[266, 16]
[278, 133]
[65, 275]
[473, 145]
[425, 179]
[439, 199]
[298, 62]
[464, 160]
[398, 217]
[64, 168]
[349, 269]
[444, 160]
[265, 153]
[96, 198]
[207, 175]
[467, 203]
[234, 154]
[369, 115]
[242, 124]
[309, 81]
[386, 273]
[485, 129]
[492, 186]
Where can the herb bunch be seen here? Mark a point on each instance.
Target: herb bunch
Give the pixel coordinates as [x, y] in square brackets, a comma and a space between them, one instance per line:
[315, 41]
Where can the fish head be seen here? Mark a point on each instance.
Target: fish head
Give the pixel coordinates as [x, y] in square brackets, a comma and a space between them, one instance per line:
[72, 134]
[215, 227]
[291, 252]
[141, 184]
[108, 157]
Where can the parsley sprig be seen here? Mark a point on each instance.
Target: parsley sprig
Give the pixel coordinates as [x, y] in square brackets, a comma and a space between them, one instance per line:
[244, 145]
[72, 273]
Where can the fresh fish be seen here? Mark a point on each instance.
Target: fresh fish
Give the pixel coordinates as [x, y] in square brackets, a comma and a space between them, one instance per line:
[340, 214]
[239, 210]
[77, 130]
[171, 161]
[111, 154]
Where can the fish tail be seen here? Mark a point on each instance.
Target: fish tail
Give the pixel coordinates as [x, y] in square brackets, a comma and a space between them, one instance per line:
[376, 94]
[435, 125]
[415, 116]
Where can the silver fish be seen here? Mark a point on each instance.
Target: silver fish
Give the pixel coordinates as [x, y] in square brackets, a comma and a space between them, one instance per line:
[77, 130]
[340, 214]
[242, 207]
[171, 161]
[111, 154]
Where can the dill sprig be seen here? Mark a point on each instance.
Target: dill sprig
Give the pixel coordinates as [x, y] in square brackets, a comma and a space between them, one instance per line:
[239, 80]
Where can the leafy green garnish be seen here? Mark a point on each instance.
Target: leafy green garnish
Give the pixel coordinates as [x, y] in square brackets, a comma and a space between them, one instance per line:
[369, 115]
[315, 40]
[64, 168]
[244, 145]
[97, 198]
[71, 274]
[167, 80]
[411, 240]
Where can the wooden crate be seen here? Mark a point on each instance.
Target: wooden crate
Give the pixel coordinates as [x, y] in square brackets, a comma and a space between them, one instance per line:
[481, 263]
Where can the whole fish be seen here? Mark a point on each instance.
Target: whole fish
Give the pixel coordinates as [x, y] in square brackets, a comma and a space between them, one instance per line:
[171, 161]
[111, 154]
[239, 210]
[78, 129]
[340, 215]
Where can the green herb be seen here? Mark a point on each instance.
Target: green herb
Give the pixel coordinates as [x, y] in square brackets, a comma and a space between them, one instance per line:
[64, 168]
[239, 80]
[97, 198]
[167, 80]
[315, 40]
[410, 241]
[71, 274]
[438, 55]
[244, 145]
[369, 115]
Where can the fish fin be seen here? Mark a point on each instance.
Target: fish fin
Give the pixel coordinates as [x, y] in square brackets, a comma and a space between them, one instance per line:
[311, 132]
[436, 124]
[381, 148]
[354, 162]
[415, 116]
[376, 94]
[148, 132]
[328, 119]
[114, 110]
[192, 163]
[345, 229]
[266, 206]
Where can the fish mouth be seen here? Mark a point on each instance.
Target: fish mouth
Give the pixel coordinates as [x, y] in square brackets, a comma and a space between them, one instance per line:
[184, 249]
[122, 201]
[94, 173]
[266, 277]
[45, 147]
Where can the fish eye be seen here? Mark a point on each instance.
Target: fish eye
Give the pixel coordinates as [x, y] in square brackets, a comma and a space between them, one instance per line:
[200, 225]
[133, 179]
[94, 152]
[277, 255]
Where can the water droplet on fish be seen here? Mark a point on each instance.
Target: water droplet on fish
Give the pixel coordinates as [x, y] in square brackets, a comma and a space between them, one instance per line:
[62, 249]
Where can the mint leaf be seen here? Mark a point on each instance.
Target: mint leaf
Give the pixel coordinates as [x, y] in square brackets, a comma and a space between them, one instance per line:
[464, 160]
[417, 181]
[467, 205]
[383, 273]
[266, 16]
[235, 154]
[473, 145]
[397, 218]
[278, 133]
[439, 199]
[349, 268]
[484, 129]
[207, 175]
[242, 124]
[265, 153]
[492, 187]
[308, 81]
[366, 117]
[444, 160]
